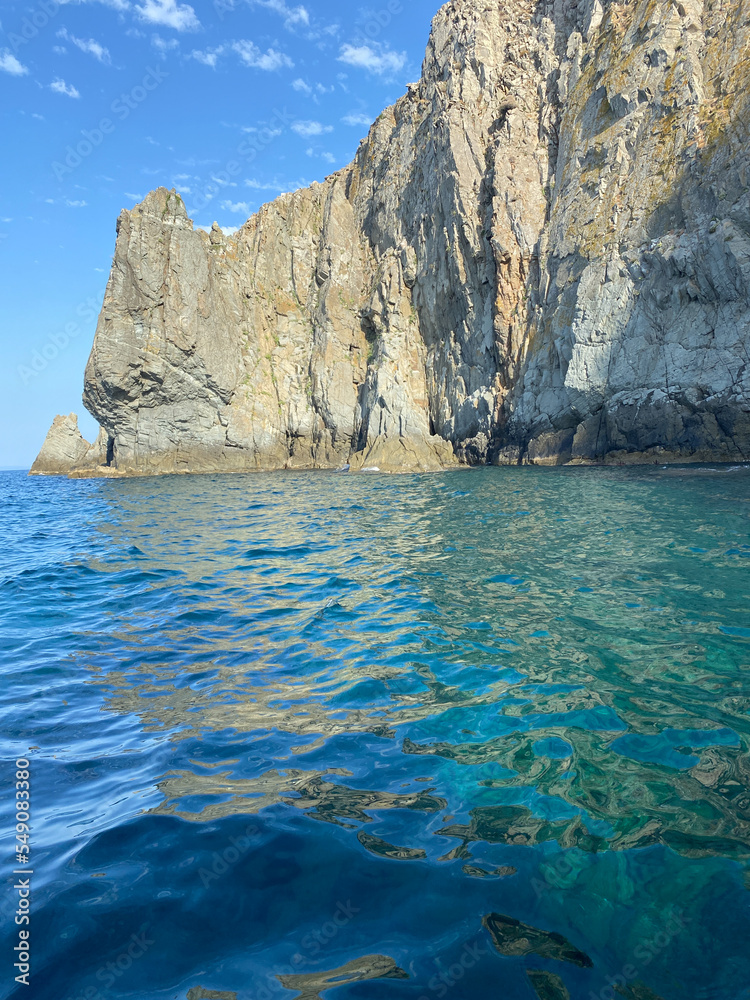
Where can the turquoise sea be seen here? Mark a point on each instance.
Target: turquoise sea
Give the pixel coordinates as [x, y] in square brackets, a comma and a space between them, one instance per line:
[480, 735]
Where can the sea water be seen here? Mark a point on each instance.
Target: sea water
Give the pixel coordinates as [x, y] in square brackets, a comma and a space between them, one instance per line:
[293, 735]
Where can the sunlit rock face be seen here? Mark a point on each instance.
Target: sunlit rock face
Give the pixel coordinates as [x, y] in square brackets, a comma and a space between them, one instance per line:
[541, 253]
[65, 450]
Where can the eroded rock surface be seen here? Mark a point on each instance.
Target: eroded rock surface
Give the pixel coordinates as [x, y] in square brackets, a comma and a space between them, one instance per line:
[65, 450]
[541, 253]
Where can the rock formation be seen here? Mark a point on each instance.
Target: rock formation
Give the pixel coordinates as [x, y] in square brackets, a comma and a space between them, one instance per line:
[65, 450]
[541, 253]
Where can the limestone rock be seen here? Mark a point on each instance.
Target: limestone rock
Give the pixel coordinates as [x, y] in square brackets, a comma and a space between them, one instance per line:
[541, 253]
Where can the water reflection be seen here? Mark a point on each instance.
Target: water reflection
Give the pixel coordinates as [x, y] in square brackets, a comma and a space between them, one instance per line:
[505, 711]
[578, 613]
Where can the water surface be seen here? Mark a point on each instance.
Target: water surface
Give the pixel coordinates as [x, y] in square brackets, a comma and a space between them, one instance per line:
[301, 735]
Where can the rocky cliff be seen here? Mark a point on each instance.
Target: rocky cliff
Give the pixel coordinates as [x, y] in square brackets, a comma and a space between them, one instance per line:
[541, 253]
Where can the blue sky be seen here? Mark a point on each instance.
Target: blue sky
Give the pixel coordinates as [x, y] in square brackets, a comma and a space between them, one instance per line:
[103, 100]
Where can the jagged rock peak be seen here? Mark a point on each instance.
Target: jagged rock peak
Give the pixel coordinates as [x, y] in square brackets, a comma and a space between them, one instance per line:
[65, 449]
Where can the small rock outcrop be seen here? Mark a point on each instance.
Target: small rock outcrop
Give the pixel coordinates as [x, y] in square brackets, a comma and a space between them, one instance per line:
[65, 450]
[540, 254]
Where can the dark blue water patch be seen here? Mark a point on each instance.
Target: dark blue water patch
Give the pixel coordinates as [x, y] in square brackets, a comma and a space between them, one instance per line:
[735, 630]
[671, 748]
[601, 718]
[553, 747]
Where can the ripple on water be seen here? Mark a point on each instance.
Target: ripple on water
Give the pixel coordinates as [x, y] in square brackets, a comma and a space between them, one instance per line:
[311, 735]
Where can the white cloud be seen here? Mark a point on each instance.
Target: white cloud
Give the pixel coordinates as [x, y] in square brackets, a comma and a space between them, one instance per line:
[114, 4]
[292, 15]
[223, 183]
[378, 60]
[75, 204]
[90, 45]
[9, 64]
[170, 13]
[328, 157]
[61, 87]
[268, 133]
[302, 87]
[163, 45]
[209, 58]
[134, 197]
[357, 118]
[258, 186]
[307, 129]
[251, 55]
[237, 206]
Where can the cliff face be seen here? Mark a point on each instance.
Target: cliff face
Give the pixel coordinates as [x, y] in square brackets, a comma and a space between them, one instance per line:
[541, 253]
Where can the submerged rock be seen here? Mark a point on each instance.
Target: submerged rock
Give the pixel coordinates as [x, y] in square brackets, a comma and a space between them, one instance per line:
[547, 985]
[637, 991]
[199, 993]
[311, 984]
[540, 253]
[475, 871]
[513, 938]
[385, 850]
